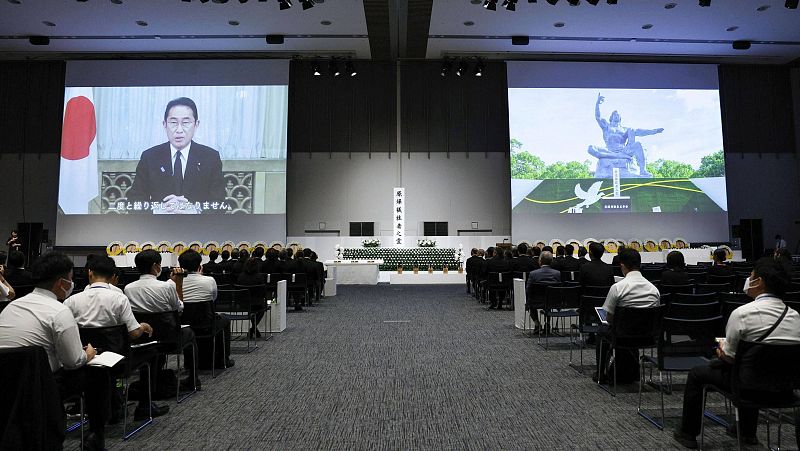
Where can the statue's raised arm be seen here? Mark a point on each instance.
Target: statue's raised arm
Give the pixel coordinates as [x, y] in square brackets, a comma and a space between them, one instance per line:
[600, 121]
[646, 131]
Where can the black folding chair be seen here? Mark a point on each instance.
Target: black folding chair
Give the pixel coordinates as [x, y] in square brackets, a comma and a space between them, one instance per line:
[236, 305]
[587, 322]
[595, 290]
[764, 376]
[167, 332]
[297, 285]
[701, 323]
[272, 283]
[534, 299]
[560, 302]
[702, 288]
[202, 317]
[729, 281]
[116, 339]
[686, 298]
[259, 306]
[670, 289]
[499, 282]
[633, 328]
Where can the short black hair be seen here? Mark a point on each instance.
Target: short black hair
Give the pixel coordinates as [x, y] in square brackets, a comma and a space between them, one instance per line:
[225, 255]
[145, 260]
[775, 274]
[190, 260]
[181, 101]
[720, 255]
[251, 266]
[307, 252]
[212, 256]
[559, 251]
[235, 254]
[244, 255]
[522, 248]
[474, 251]
[258, 252]
[50, 267]
[313, 256]
[569, 249]
[283, 255]
[630, 258]
[596, 250]
[675, 260]
[102, 265]
[16, 259]
[537, 251]
[289, 252]
[582, 251]
[272, 254]
[548, 249]
[490, 251]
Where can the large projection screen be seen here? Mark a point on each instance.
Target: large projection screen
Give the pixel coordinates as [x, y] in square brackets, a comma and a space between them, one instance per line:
[173, 151]
[616, 150]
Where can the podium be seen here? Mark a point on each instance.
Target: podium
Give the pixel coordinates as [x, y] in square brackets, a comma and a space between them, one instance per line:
[504, 246]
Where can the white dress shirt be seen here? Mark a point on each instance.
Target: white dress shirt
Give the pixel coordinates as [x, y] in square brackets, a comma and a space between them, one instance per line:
[184, 156]
[39, 319]
[151, 295]
[632, 291]
[752, 320]
[199, 288]
[100, 306]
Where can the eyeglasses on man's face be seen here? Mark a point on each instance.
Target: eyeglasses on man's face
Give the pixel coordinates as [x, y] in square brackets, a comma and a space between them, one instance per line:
[186, 124]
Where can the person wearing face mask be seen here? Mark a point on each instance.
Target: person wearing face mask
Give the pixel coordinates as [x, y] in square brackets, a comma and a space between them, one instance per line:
[767, 320]
[40, 319]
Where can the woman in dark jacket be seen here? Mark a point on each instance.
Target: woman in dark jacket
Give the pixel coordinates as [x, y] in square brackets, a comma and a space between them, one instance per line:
[675, 273]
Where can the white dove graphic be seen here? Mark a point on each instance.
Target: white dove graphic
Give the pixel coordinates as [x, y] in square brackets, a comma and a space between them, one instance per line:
[588, 197]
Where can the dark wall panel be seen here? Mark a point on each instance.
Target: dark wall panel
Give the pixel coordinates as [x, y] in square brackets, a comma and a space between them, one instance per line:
[757, 112]
[451, 113]
[31, 105]
[344, 113]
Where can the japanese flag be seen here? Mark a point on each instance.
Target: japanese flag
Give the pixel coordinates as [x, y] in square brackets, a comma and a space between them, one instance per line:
[78, 183]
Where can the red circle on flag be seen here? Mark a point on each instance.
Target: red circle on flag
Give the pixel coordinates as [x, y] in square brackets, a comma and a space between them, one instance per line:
[79, 128]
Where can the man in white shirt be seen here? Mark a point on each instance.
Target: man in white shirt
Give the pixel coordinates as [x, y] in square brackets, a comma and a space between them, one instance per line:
[767, 320]
[150, 295]
[101, 306]
[780, 243]
[200, 288]
[40, 319]
[632, 291]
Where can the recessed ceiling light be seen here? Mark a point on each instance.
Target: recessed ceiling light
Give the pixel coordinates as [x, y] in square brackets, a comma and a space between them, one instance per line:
[647, 26]
[762, 8]
[559, 24]
[233, 23]
[733, 28]
[141, 23]
[670, 5]
[469, 23]
[48, 23]
[326, 22]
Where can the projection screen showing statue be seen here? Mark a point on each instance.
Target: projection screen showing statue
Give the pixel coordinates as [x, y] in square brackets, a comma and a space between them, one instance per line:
[610, 151]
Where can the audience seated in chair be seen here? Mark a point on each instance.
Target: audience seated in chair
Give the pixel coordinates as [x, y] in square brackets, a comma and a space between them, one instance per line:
[15, 273]
[470, 266]
[212, 267]
[496, 263]
[524, 263]
[150, 295]
[720, 268]
[101, 306]
[545, 274]
[251, 276]
[596, 272]
[675, 274]
[582, 253]
[766, 320]
[225, 263]
[200, 288]
[632, 291]
[271, 265]
[238, 265]
[40, 319]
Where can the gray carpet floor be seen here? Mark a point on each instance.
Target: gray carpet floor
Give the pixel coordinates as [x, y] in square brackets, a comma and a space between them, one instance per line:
[413, 367]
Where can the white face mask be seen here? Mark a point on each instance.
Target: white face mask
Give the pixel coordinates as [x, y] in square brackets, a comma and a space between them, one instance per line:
[71, 287]
[746, 284]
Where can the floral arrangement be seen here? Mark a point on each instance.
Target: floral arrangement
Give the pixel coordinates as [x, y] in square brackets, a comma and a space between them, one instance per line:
[339, 252]
[374, 242]
[426, 243]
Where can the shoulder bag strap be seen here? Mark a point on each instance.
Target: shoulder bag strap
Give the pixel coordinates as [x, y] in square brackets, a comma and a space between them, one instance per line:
[774, 326]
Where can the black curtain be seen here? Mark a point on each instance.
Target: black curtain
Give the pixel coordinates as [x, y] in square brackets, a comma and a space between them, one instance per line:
[31, 106]
[453, 113]
[757, 112]
[344, 113]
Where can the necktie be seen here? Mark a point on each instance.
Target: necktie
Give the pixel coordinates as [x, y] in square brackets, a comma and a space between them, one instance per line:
[177, 174]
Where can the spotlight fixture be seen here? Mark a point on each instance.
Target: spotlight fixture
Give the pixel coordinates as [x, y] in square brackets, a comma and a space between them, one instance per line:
[462, 67]
[307, 4]
[791, 4]
[741, 45]
[446, 66]
[510, 5]
[350, 69]
[479, 69]
[333, 68]
[552, 2]
[274, 39]
[285, 4]
[491, 5]
[316, 70]
[520, 40]
[705, 3]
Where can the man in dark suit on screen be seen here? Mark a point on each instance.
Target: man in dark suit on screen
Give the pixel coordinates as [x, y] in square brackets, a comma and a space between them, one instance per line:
[180, 171]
